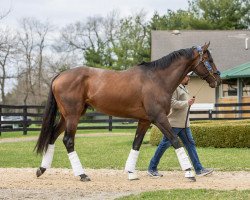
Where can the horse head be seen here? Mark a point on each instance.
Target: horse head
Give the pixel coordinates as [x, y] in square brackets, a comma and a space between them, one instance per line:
[203, 65]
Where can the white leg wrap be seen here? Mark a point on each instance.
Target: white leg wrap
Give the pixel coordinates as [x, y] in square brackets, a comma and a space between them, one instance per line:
[48, 157]
[189, 174]
[183, 159]
[131, 161]
[75, 163]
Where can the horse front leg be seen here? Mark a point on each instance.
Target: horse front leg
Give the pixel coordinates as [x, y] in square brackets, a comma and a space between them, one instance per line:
[134, 152]
[163, 124]
[69, 142]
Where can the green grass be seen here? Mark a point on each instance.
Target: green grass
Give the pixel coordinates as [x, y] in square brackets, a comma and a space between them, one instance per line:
[112, 152]
[19, 134]
[194, 194]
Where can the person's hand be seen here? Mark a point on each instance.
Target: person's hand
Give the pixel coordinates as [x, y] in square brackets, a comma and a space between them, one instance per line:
[191, 101]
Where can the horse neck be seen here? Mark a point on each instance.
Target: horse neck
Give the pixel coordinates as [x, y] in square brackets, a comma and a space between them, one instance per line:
[174, 74]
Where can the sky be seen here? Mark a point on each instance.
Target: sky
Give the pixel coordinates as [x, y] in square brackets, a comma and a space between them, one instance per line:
[62, 12]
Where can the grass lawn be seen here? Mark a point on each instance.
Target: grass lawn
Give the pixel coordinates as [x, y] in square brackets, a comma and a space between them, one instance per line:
[200, 194]
[19, 134]
[112, 152]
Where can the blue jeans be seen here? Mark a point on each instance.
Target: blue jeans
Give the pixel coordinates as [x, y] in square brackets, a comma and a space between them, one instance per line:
[189, 144]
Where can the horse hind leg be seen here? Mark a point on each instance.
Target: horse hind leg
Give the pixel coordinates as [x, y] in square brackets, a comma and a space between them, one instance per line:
[48, 156]
[69, 142]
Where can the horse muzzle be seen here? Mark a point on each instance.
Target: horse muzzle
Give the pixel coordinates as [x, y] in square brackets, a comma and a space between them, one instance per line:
[213, 84]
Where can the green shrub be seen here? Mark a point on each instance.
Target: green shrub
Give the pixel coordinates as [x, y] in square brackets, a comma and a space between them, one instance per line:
[220, 134]
[155, 136]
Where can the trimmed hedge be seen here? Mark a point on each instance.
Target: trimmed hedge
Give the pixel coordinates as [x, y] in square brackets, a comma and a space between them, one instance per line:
[155, 136]
[219, 134]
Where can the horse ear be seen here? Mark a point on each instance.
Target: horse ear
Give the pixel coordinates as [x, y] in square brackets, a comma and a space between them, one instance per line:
[205, 47]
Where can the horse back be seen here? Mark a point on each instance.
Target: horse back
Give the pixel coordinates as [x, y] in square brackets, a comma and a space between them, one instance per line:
[112, 92]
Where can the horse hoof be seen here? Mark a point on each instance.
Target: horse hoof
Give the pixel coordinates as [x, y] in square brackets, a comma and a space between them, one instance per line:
[40, 171]
[84, 178]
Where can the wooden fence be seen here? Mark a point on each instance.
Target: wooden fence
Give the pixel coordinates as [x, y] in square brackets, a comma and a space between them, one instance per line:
[31, 117]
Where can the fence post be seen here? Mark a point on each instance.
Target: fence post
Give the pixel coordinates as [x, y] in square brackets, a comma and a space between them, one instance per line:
[210, 114]
[110, 123]
[25, 121]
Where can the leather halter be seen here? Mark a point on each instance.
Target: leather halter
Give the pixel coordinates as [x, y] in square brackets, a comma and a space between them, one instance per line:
[206, 63]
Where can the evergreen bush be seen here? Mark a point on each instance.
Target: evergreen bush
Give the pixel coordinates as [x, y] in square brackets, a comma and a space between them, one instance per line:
[219, 134]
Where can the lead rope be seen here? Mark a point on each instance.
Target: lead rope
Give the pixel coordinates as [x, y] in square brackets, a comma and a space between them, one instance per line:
[189, 111]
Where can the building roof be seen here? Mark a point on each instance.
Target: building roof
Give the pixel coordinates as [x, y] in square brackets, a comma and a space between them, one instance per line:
[240, 71]
[228, 47]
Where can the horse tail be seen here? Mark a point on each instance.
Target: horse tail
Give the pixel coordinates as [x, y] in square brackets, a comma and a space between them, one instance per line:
[48, 124]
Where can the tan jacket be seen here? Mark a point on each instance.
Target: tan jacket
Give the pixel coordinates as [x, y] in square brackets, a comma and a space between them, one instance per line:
[179, 108]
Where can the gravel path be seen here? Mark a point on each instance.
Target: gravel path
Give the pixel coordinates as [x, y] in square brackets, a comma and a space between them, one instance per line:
[106, 184]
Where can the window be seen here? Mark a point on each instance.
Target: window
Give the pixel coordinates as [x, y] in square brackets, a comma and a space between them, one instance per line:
[229, 88]
[246, 87]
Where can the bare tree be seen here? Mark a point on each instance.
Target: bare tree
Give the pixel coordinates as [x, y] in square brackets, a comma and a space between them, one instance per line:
[7, 51]
[72, 39]
[91, 38]
[32, 42]
[4, 14]
[42, 30]
[27, 55]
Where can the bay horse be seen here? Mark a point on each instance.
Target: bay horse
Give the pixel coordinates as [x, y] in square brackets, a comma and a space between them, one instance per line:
[141, 92]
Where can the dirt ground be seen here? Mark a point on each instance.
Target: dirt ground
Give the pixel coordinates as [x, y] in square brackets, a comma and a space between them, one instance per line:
[105, 184]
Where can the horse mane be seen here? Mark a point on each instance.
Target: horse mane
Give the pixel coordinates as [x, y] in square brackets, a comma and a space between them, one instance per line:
[168, 59]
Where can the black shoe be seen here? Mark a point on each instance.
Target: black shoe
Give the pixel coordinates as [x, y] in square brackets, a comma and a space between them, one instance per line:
[155, 174]
[204, 172]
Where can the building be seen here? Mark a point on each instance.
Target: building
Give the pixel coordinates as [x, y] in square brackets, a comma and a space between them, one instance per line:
[229, 49]
[236, 87]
